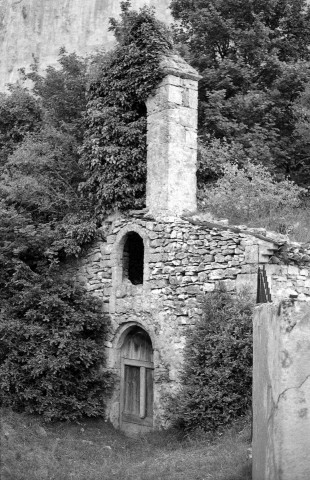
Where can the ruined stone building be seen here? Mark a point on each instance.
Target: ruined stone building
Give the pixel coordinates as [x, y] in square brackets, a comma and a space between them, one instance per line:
[152, 268]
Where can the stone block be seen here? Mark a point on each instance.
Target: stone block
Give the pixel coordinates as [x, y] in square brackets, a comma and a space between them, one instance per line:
[183, 320]
[208, 287]
[155, 257]
[292, 270]
[111, 239]
[202, 276]
[92, 288]
[174, 94]
[191, 138]
[193, 289]
[216, 274]
[227, 251]
[251, 254]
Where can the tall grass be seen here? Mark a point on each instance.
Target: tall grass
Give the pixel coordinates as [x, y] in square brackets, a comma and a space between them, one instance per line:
[93, 450]
[295, 224]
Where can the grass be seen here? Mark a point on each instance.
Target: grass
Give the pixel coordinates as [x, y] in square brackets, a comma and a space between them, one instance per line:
[94, 450]
[295, 224]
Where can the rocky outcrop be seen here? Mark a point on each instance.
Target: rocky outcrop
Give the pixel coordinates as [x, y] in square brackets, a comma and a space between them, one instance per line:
[36, 30]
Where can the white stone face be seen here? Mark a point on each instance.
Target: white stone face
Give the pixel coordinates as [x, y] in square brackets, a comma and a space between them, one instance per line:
[39, 28]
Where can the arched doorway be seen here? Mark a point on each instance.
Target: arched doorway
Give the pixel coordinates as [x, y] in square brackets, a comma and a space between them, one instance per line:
[136, 380]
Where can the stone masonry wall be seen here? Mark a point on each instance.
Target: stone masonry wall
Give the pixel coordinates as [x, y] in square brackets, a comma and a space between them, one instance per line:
[184, 260]
[172, 140]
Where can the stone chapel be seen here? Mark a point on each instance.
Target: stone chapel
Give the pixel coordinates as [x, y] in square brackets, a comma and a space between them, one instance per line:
[151, 268]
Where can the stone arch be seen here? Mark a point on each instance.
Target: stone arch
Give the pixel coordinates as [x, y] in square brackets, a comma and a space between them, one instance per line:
[125, 328]
[135, 350]
[117, 256]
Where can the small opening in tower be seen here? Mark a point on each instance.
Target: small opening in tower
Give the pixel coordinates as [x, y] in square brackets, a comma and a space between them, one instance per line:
[133, 259]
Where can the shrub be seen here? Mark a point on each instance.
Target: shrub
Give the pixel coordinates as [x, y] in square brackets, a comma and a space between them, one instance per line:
[217, 375]
[250, 193]
[52, 339]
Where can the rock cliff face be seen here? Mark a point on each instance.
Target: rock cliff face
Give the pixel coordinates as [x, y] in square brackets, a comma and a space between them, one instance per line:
[36, 29]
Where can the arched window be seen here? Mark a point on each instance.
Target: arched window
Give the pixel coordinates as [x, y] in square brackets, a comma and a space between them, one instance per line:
[133, 258]
[137, 378]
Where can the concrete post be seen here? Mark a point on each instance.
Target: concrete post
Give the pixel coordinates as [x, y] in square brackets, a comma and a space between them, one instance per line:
[172, 140]
[281, 392]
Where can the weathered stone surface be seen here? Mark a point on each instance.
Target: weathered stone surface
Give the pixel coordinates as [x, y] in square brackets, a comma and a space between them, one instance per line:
[281, 392]
[172, 141]
[39, 28]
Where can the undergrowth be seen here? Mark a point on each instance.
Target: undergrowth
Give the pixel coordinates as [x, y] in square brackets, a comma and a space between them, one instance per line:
[93, 450]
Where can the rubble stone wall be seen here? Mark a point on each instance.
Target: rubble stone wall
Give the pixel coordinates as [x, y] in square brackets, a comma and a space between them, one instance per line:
[182, 262]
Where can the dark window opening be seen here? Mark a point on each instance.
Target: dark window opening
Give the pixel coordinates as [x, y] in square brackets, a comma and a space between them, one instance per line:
[133, 258]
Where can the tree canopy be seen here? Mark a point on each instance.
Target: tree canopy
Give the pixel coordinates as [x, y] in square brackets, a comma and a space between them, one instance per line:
[254, 58]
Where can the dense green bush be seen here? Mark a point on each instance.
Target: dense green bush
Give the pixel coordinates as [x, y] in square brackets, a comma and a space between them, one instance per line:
[217, 375]
[249, 194]
[51, 343]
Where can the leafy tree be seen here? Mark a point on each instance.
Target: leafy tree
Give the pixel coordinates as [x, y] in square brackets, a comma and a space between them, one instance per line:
[217, 374]
[253, 56]
[51, 332]
[20, 114]
[62, 92]
[114, 149]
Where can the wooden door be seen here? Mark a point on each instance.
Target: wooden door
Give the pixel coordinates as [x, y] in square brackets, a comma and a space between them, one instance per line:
[137, 378]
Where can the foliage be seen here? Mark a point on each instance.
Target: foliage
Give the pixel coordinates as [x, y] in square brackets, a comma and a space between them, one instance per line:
[217, 374]
[213, 155]
[52, 348]
[51, 333]
[250, 193]
[254, 59]
[114, 149]
[40, 183]
[20, 114]
[62, 92]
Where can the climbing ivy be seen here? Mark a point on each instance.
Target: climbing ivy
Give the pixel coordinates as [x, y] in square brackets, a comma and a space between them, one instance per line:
[113, 155]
